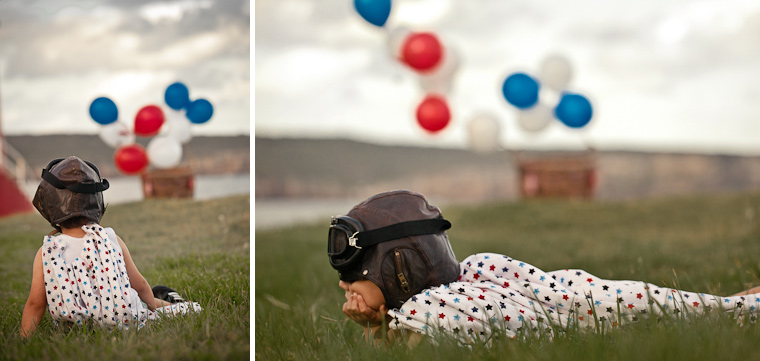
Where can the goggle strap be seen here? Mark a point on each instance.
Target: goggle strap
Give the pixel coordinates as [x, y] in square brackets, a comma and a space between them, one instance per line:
[90, 188]
[401, 230]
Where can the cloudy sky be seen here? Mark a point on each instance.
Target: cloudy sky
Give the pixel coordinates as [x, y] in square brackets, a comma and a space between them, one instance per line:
[675, 75]
[57, 56]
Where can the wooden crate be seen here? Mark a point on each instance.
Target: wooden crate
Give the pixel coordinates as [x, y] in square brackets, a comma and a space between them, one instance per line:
[568, 176]
[168, 183]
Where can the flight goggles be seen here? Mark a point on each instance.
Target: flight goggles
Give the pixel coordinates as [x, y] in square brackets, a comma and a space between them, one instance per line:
[347, 238]
[77, 187]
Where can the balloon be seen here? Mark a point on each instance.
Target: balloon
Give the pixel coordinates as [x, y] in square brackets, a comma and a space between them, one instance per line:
[483, 133]
[199, 111]
[104, 111]
[177, 96]
[574, 110]
[422, 51]
[555, 72]
[116, 134]
[148, 121]
[179, 127]
[520, 90]
[535, 118]
[374, 11]
[395, 40]
[439, 79]
[164, 152]
[131, 159]
[433, 113]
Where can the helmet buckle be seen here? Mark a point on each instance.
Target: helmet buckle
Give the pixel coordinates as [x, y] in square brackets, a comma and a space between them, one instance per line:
[352, 240]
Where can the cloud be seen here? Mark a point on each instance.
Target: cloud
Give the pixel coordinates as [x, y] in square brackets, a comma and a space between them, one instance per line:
[63, 54]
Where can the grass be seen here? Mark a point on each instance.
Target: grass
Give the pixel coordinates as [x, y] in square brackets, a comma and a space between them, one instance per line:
[199, 248]
[705, 243]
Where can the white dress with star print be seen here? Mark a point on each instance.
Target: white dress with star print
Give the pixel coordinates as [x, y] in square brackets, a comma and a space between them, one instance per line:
[497, 294]
[86, 281]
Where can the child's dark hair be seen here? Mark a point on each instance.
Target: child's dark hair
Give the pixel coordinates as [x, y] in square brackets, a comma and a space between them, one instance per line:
[75, 222]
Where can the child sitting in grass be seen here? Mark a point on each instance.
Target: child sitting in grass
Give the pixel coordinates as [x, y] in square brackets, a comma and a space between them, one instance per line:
[83, 273]
[399, 273]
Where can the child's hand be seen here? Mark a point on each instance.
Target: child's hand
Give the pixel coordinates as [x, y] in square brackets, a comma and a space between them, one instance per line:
[357, 310]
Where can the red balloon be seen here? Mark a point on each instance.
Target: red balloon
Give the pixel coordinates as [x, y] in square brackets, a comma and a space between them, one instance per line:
[433, 113]
[422, 51]
[131, 159]
[148, 121]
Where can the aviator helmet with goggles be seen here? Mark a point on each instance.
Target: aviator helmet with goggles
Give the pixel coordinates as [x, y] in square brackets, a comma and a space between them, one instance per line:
[70, 187]
[396, 240]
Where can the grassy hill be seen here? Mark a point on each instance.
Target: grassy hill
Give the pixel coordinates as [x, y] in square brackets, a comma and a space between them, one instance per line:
[706, 243]
[199, 248]
[203, 154]
[349, 169]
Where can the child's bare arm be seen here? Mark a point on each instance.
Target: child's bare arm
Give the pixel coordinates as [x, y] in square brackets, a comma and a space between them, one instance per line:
[136, 280]
[35, 306]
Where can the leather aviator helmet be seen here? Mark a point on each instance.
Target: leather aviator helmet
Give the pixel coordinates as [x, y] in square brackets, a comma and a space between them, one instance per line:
[396, 240]
[70, 187]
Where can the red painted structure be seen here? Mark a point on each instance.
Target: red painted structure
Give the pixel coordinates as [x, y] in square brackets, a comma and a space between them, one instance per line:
[12, 198]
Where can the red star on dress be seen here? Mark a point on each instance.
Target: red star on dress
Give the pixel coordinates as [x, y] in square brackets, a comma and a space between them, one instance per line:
[469, 298]
[476, 276]
[506, 284]
[469, 318]
[482, 297]
[589, 280]
[590, 312]
[696, 304]
[441, 315]
[639, 296]
[630, 305]
[564, 297]
[507, 318]
[517, 275]
[492, 267]
[414, 312]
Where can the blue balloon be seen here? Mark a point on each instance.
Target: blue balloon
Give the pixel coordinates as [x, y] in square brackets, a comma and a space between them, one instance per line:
[103, 110]
[177, 96]
[520, 90]
[199, 111]
[573, 110]
[374, 11]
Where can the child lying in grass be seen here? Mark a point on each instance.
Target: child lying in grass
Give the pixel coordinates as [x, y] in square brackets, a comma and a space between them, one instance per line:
[85, 274]
[399, 273]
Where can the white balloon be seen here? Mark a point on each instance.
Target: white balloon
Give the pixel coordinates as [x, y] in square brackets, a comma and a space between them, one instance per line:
[483, 131]
[164, 152]
[555, 72]
[440, 79]
[179, 127]
[395, 40]
[116, 134]
[535, 118]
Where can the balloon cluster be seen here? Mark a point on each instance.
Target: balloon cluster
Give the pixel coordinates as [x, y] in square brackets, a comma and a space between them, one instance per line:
[423, 53]
[522, 91]
[163, 151]
[436, 65]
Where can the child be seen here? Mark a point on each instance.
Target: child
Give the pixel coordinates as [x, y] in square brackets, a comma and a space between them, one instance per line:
[85, 274]
[398, 271]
